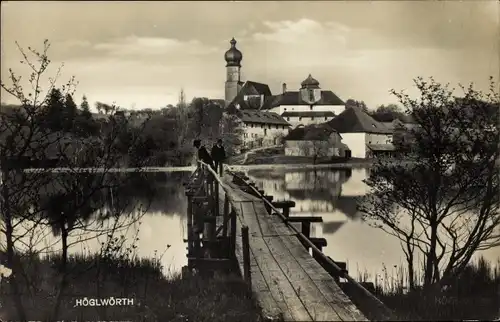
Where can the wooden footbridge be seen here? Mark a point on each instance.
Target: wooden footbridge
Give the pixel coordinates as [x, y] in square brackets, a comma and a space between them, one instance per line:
[233, 225]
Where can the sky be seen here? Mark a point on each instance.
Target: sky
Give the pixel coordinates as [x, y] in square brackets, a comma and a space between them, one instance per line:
[140, 54]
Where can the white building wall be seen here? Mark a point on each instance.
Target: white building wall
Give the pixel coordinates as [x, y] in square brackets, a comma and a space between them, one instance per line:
[356, 143]
[268, 133]
[310, 148]
[378, 138]
[297, 120]
[337, 109]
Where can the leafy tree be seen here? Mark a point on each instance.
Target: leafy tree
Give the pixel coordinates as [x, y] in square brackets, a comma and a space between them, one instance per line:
[231, 133]
[388, 113]
[440, 199]
[354, 103]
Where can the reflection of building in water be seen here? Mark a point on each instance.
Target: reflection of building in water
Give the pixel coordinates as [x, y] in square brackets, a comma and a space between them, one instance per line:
[355, 186]
[312, 180]
[331, 227]
[321, 193]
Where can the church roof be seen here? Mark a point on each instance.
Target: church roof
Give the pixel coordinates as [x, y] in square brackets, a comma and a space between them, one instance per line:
[294, 98]
[310, 82]
[233, 56]
[255, 88]
[355, 120]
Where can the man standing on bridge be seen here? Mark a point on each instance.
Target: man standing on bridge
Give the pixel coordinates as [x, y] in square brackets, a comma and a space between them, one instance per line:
[203, 154]
[218, 155]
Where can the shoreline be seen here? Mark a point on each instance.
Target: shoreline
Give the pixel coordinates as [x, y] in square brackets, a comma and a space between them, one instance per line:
[270, 166]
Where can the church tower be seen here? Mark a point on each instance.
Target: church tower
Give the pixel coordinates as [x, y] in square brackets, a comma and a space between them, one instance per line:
[233, 59]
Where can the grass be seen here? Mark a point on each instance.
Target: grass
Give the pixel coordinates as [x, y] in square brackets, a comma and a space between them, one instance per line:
[156, 297]
[472, 296]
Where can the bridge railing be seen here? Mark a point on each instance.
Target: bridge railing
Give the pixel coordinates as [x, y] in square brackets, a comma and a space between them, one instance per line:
[214, 188]
[382, 309]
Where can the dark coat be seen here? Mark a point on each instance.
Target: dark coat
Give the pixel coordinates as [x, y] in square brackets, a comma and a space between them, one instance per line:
[204, 156]
[218, 153]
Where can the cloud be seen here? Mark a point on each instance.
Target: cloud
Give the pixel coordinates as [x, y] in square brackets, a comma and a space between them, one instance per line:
[306, 42]
[303, 31]
[152, 46]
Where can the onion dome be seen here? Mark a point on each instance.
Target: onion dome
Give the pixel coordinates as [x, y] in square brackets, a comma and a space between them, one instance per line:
[310, 82]
[233, 56]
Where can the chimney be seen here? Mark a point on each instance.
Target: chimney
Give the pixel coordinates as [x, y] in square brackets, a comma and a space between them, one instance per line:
[284, 88]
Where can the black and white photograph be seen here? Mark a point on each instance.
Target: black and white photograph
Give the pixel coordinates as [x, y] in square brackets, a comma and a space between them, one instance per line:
[249, 161]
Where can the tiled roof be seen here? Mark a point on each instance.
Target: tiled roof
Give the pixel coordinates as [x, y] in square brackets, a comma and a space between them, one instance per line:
[310, 133]
[294, 98]
[308, 114]
[381, 147]
[354, 120]
[254, 88]
[310, 82]
[255, 116]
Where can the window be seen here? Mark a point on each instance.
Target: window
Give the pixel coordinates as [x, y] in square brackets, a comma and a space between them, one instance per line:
[311, 96]
[251, 125]
[265, 132]
[326, 118]
[300, 118]
[245, 135]
[312, 118]
[276, 127]
[311, 107]
[284, 109]
[288, 119]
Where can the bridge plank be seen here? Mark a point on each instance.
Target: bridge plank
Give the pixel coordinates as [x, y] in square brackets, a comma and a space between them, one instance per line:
[325, 283]
[280, 286]
[271, 306]
[278, 226]
[285, 278]
[312, 298]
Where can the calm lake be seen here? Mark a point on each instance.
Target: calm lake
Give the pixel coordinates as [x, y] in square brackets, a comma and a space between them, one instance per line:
[330, 194]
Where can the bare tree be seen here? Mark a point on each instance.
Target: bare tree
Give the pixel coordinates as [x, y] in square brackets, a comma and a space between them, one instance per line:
[443, 204]
[67, 201]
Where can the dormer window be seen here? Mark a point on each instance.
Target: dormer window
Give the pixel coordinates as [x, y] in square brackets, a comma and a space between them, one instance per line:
[374, 125]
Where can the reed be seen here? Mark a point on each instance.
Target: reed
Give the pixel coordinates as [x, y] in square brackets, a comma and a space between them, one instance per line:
[473, 295]
[156, 297]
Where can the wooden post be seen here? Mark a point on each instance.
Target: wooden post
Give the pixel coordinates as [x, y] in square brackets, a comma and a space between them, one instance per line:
[246, 255]
[225, 215]
[189, 208]
[233, 232]
[221, 169]
[286, 212]
[306, 229]
[216, 199]
[268, 207]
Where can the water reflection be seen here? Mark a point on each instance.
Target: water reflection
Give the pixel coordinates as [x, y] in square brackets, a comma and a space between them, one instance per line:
[159, 232]
[326, 193]
[332, 194]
